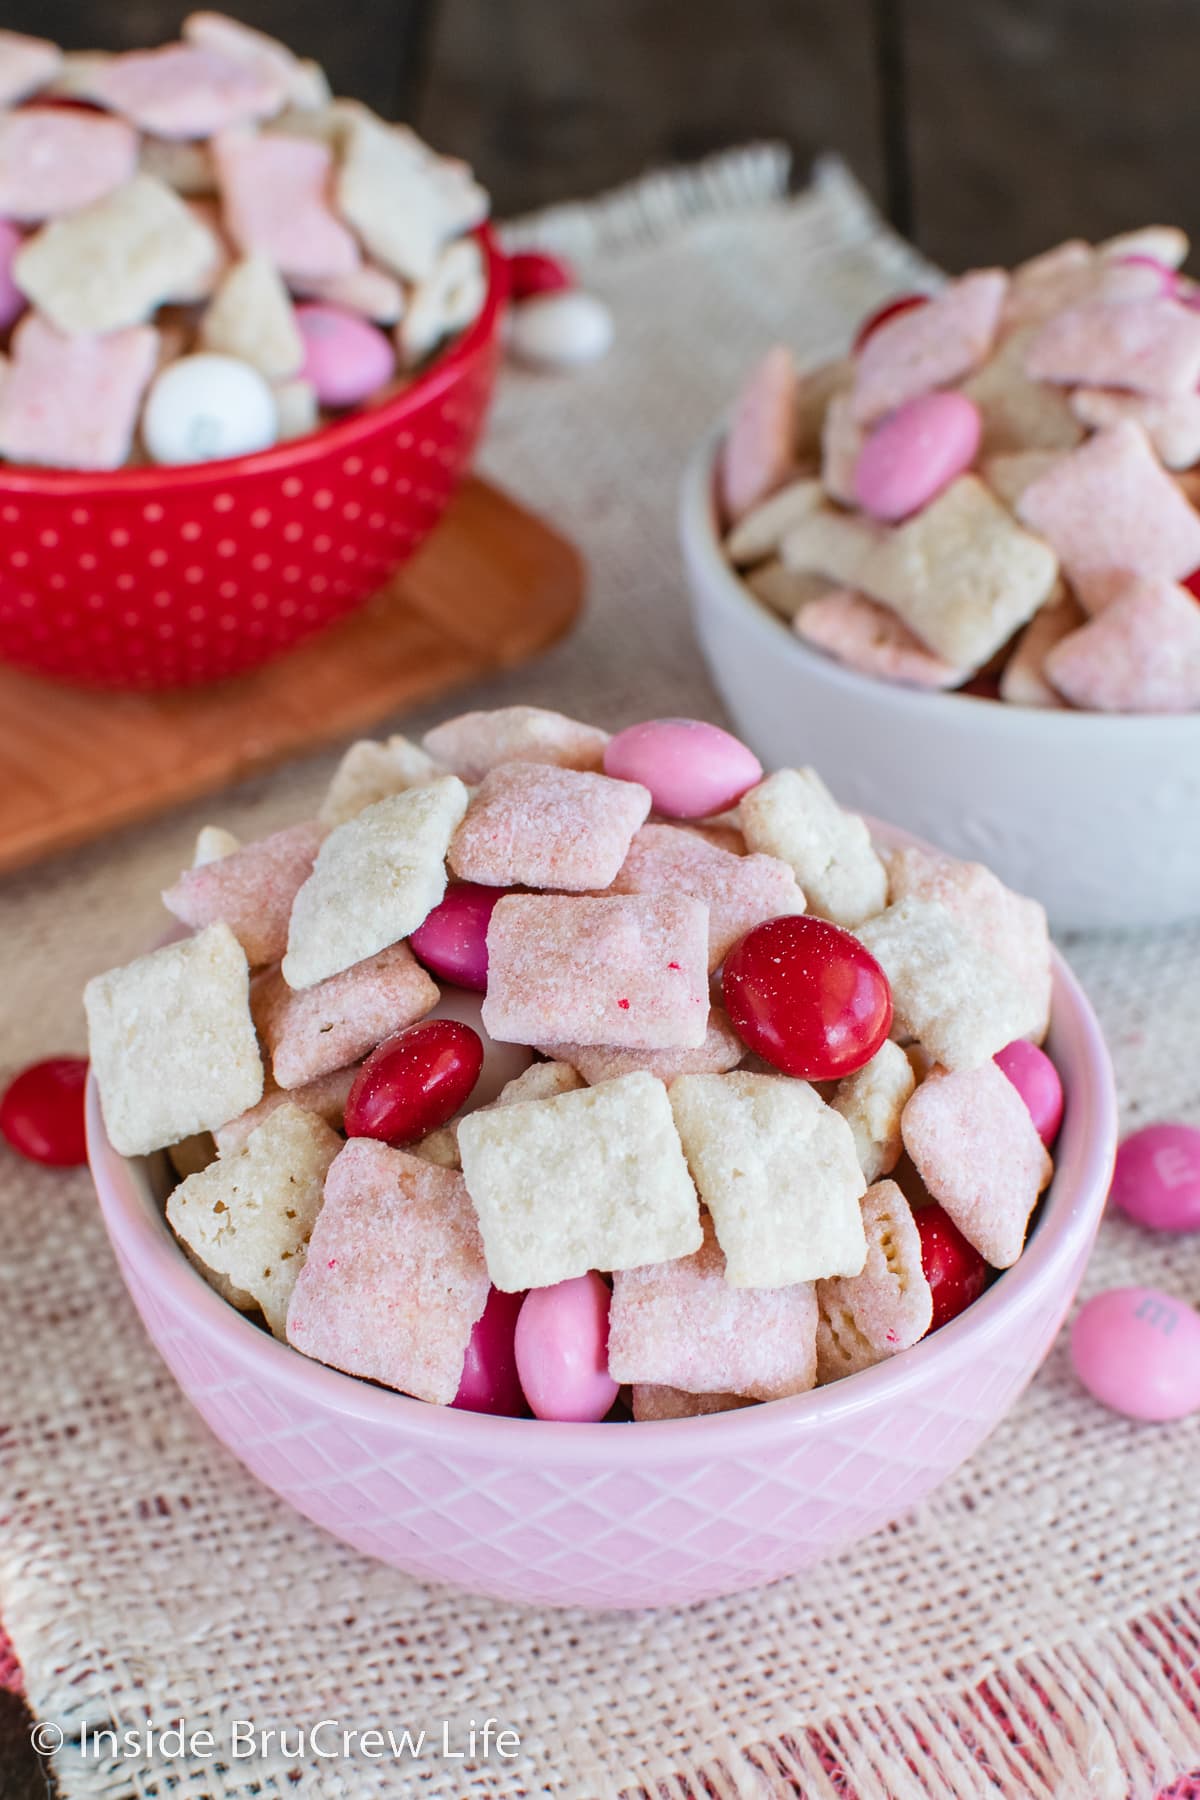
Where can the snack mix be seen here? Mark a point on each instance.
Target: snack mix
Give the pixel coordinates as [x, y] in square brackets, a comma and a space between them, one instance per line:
[995, 490]
[739, 1100]
[203, 253]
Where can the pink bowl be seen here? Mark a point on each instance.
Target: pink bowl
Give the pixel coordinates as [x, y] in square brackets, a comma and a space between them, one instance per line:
[612, 1515]
[164, 577]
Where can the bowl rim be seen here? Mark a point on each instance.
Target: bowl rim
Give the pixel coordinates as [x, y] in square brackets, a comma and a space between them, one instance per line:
[701, 543]
[1072, 1211]
[344, 434]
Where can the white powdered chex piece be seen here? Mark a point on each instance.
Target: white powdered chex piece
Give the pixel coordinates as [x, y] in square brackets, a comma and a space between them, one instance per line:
[1172, 425]
[682, 1324]
[398, 196]
[778, 1171]
[829, 543]
[172, 1042]
[889, 1307]
[372, 770]
[448, 301]
[249, 1216]
[212, 843]
[762, 531]
[793, 816]
[476, 742]
[326, 1097]
[376, 879]
[1016, 412]
[871, 1101]
[251, 316]
[589, 1180]
[785, 591]
[1008, 475]
[952, 994]
[721, 1051]
[841, 444]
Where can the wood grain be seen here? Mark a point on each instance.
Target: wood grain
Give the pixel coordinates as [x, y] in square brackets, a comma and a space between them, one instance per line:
[493, 586]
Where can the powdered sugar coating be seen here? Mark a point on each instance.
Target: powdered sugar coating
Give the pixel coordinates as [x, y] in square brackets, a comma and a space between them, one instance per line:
[872, 639]
[628, 971]
[1172, 424]
[532, 825]
[721, 1050]
[762, 531]
[308, 1033]
[371, 771]
[890, 1302]
[977, 1150]
[682, 1324]
[929, 346]
[326, 1097]
[1024, 681]
[476, 742]
[251, 890]
[793, 816]
[395, 1276]
[739, 891]
[1140, 655]
[872, 1101]
[759, 454]
[1151, 346]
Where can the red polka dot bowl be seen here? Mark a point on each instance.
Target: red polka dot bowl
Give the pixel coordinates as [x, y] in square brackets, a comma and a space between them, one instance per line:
[164, 577]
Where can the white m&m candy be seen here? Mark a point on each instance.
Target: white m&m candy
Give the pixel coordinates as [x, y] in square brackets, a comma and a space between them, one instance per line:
[204, 407]
[561, 331]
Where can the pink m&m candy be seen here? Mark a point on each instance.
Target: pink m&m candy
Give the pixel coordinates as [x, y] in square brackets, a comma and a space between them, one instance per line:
[12, 300]
[1168, 278]
[452, 941]
[490, 1382]
[914, 453]
[562, 1350]
[1157, 1177]
[1036, 1080]
[1137, 1350]
[691, 768]
[345, 358]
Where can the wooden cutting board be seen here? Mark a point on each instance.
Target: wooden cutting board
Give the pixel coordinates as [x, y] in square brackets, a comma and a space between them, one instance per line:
[492, 587]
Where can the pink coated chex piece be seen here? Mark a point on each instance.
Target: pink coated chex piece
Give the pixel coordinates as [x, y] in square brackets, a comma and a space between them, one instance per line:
[26, 64]
[976, 1148]
[889, 1306]
[1140, 655]
[1150, 346]
[276, 193]
[395, 1277]
[681, 1324]
[54, 160]
[871, 638]
[311, 1031]
[760, 451]
[1110, 511]
[627, 970]
[1172, 425]
[326, 1096]
[929, 346]
[530, 825]
[181, 91]
[739, 891]
[476, 742]
[71, 402]
[252, 890]
[721, 1051]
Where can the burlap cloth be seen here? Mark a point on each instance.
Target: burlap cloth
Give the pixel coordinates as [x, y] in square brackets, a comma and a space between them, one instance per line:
[1047, 1594]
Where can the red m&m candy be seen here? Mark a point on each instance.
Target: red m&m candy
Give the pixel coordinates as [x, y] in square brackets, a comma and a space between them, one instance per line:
[954, 1269]
[490, 1382]
[533, 272]
[890, 310]
[808, 997]
[41, 1112]
[452, 941]
[414, 1082]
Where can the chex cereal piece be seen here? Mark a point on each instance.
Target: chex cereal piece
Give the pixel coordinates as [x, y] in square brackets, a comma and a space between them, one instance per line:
[71, 402]
[53, 160]
[111, 263]
[390, 191]
[1011, 925]
[1017, 413]
[540, 1081]
[589, 1180]
[249, 1215]
[962, 574]
[338, 1020]
[626, 970]
[950, 992]
[297, 409]
[172, 1042]
[759, 452]
[818, 387]
[869, 637]
[251, 890]
[250, 316]
[889, 1307]
[977, 1150]
[841, 442]
[1008, 475]
[26, 64]
[371, 770]
[684, 1325]
[792, 815]
[1141, 654]
[1172, 425]
[395, 1277]
[760, 533]
[721, 1050]
[376, 878]
[533, 825]
[367, 290]
[449, 299]
[786, 591]
[739, 891]
[275, 191]
[1164, 244]
[830, 543]
[1023, 681]
[212, 843]
[871, 1102]
[1151, 346]
[653, 1402]
[474, 743]
[1110, 510]
[1067, 276]
[440, 1147]
[778, 1171]
[188, 168]
[325, 1097]
[303, 83]
[930, 346]
[182, 91]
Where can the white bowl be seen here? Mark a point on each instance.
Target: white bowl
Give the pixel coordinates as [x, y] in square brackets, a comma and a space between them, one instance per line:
[1096, 815]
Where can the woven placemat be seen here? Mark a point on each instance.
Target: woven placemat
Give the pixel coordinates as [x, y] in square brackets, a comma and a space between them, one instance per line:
[1032, 1631]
